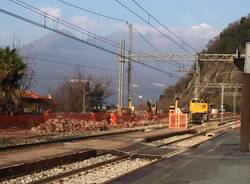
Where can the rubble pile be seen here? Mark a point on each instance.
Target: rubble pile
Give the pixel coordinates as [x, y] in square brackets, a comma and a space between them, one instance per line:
[70, 125]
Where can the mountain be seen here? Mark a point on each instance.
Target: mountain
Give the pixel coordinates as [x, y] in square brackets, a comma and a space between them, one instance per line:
[59, 48]
[147, 83]
[231, 38]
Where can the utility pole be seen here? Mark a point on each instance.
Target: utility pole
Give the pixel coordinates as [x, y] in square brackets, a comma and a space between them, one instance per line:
[197, 77]
[222, 103]
[130, 43]
[121, 76]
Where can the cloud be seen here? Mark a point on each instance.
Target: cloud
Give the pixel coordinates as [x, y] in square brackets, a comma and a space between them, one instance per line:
[197, 35]
[56, 12]
[202, 30]
[84, 22]
[159, 85]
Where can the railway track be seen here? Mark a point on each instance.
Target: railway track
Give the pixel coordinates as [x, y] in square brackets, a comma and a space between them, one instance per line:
[210, 132]
[185, 146]
[98, 169]
[116, 166]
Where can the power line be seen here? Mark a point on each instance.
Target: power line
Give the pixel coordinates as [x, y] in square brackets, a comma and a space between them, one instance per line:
[70, 25]
[169, 30]
[115, 19]
[63, 22]
[158, 30]
[83, 41]
[92, 12]
[147, 41]
[39, 59]
[71, 64]
[63, 78]
[156, 49]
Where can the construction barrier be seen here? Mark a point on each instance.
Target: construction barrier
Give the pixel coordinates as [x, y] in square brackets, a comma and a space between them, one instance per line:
[21, 121]
[178, 120]
[30, 120]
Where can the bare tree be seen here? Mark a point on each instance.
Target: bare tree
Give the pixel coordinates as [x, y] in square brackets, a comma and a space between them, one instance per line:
[81, 93]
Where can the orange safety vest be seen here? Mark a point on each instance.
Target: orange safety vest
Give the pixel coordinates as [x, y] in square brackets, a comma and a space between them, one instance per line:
[113, 118]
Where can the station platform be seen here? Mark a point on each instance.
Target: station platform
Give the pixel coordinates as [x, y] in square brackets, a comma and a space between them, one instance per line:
[217, 161]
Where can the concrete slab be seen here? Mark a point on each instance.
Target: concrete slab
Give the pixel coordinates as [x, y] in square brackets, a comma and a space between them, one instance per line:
[218, 161]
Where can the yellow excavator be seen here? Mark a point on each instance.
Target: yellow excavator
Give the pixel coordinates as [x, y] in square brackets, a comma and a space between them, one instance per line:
[198, 109]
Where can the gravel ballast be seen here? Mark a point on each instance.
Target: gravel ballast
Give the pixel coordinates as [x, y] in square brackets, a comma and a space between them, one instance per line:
[57, 170]
[188, 142]
[168, 140]
[106, 172]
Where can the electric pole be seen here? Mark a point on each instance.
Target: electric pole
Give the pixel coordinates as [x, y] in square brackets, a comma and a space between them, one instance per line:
[130, 43]
[222, 103]
[197, 78]
[121, 77]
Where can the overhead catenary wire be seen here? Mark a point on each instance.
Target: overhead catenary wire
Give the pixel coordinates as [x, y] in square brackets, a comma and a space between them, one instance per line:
[111, 18]
[92, 12]
[164, 26]
[70, 64]
[89, 33]
[157, 29]
[63, 22]
[39, 59]
[147, 41]
[83, 41]
[155, 48]
[71, 26]
[116, 19]
[68, 78]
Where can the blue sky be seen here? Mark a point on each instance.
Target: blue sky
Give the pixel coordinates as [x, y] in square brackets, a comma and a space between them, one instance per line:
[178, 14]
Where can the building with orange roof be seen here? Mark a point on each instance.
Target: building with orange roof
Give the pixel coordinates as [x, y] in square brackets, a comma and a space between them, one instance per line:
[34, 102]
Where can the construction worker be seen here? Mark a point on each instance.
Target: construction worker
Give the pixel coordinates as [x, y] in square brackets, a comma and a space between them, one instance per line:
[113, 119]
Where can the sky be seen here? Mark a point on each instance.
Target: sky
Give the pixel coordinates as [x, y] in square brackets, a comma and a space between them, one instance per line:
[188, 18]
[196, 21]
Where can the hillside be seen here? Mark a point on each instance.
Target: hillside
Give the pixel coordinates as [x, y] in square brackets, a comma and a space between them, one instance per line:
[59, 48]
[233, 37]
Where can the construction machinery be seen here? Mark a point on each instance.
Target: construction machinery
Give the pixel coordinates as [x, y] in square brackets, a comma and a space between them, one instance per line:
[198, 110]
